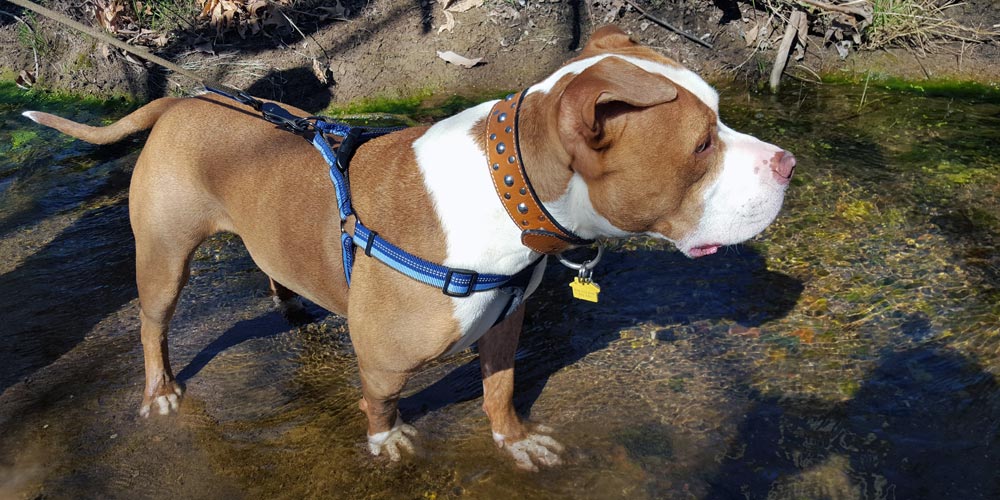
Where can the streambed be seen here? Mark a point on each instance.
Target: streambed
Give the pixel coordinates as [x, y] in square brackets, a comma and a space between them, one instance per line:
[851, 351]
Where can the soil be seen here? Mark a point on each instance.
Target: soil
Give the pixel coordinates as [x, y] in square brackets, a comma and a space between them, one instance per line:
[387, 49]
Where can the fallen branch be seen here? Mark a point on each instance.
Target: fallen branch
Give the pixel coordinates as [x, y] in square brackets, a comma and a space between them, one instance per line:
[795, 21]
[669, 26]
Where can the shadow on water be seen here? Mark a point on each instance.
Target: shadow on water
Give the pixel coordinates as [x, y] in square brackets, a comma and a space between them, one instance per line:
[78, 184]
[56, 296]
[268, 325]
[923, 425]
[656, 287]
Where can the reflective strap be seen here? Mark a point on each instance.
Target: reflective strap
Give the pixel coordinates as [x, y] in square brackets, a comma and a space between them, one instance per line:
[453, 282]
[340, 185]
[334, 128]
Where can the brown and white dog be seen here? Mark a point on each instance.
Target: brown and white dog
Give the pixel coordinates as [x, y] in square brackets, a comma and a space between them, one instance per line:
[620, 141]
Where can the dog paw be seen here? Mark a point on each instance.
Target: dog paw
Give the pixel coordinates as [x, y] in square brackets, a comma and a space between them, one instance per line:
[532, 451]
[293, 310]
[392, 441]
[165, 401]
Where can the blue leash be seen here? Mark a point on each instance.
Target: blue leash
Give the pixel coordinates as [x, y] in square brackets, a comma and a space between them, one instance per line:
[452, 282]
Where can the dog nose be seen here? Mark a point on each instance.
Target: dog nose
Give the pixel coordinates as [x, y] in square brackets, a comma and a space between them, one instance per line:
[783, 166]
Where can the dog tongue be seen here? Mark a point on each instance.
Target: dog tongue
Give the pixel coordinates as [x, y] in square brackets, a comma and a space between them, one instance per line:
[704, 250]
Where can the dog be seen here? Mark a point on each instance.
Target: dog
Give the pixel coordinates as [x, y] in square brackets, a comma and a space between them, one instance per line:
[619, 141]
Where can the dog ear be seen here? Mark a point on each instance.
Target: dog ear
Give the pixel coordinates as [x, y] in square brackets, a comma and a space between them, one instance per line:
[608, 38]
[583, 103]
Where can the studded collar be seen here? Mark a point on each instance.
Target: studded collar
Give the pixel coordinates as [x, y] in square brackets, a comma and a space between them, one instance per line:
[539, 231]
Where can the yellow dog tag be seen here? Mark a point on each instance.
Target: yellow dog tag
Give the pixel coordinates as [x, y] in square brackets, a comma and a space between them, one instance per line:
[585, 290]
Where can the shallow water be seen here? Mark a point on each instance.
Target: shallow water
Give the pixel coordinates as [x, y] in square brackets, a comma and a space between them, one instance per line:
[851, 351]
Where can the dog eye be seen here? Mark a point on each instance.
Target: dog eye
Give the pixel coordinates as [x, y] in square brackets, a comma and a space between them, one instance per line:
[707, 143]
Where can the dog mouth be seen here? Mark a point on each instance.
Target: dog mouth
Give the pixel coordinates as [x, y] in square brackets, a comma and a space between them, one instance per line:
[702, 250]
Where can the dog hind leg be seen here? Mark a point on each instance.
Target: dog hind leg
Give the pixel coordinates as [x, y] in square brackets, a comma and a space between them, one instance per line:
[168, 223]
[289, 304]
[160, 274]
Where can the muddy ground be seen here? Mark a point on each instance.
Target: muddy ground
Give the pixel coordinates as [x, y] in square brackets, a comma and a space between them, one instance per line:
[388, 48]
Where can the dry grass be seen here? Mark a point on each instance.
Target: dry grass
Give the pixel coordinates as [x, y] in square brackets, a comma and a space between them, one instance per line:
[875, 24]
[918, 23]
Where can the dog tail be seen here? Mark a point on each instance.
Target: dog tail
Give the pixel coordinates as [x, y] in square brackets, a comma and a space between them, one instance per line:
[140, 119]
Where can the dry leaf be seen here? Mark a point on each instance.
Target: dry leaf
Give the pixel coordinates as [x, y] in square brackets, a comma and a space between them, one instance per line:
[751, 35]
[458, 60]
[449, 23]
[322, 72]
[25, 79]
[134, 60]
[802, 30]
[464, 5]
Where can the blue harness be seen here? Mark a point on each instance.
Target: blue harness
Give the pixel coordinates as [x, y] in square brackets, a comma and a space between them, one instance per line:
[452, 282]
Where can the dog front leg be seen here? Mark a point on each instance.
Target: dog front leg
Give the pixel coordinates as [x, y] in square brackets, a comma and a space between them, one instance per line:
[496, 356]
[380, 402]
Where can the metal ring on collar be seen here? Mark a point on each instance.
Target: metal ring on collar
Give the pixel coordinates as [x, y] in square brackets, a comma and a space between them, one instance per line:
[586, 266]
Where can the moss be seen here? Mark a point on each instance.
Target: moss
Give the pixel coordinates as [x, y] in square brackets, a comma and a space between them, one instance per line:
[20, 137]
[7, 75]
[856, 210]
[14, 97]
[849, 387]
[424, 105]
[956, 174]
[82, 61]
[929, 88]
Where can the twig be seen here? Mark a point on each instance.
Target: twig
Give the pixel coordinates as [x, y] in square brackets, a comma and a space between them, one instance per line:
[669, 26]
[836, 8]
[819, 79]
[759, 42]
[864, 92]
[303, 35]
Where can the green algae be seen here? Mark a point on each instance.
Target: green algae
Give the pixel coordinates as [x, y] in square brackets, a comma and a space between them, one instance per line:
[13, 97]
[935, 87]
[424, 106]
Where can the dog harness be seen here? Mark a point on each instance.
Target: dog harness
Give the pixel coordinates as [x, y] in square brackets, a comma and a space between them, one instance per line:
[453, 282]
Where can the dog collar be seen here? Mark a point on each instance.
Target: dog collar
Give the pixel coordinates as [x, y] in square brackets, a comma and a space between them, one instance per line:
[539, 231]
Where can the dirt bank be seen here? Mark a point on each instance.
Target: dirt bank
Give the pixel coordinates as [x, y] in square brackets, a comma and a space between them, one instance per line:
[388, 48]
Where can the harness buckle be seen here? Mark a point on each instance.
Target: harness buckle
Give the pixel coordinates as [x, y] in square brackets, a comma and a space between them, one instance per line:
[473, 278]
[347, 147]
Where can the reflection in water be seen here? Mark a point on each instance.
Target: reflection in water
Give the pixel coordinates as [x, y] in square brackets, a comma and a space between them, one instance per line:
[849, 352]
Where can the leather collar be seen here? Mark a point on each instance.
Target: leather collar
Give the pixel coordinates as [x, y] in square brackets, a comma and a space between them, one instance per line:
[539, 231]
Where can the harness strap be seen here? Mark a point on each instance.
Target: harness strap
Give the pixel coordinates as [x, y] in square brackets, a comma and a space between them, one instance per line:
[452, 281]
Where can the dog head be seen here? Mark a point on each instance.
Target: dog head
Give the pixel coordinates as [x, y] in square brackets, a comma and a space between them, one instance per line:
[647, 153]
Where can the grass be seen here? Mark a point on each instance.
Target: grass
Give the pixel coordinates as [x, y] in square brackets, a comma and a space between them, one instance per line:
[422, 106]
[914, 23]
[29, 36]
